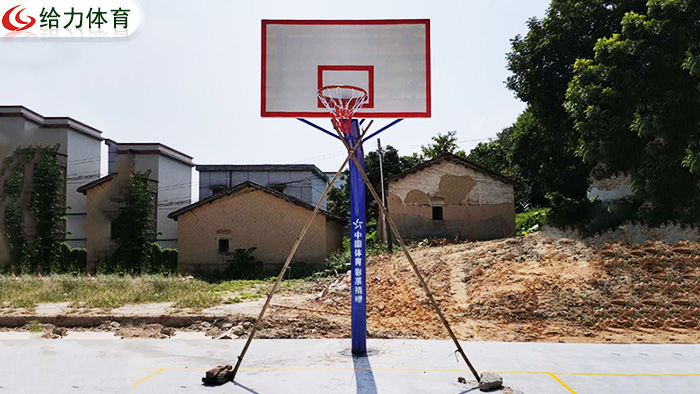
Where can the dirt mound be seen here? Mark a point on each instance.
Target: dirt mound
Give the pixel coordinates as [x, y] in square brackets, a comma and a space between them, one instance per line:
[535, 288]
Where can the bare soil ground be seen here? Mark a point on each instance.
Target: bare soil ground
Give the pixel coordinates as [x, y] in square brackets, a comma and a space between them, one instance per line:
[536, 288]
[530, 288]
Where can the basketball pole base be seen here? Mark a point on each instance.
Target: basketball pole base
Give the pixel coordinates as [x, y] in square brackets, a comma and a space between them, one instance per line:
[358, 294]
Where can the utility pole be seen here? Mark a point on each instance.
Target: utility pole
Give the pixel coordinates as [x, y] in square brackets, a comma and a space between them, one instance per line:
[385, 232]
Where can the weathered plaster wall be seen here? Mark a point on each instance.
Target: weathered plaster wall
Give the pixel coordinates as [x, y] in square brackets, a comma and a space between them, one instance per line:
[475, 205]
[83, 167]
[102, 208]
[174, 192]
[611, 189]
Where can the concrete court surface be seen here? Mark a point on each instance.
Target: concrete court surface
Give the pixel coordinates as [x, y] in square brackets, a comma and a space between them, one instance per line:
[325, 366]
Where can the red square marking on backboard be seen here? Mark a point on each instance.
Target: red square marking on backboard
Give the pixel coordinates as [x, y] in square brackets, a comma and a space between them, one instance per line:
[370, 79]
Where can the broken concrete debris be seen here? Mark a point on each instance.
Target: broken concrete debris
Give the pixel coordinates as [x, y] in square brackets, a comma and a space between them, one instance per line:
[169, 331]
[218, 376]
[238, 330]
[60, 331]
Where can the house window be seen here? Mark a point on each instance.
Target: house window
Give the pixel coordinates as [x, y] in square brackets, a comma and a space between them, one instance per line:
[217, 189]
[223, 246]
[437, 213]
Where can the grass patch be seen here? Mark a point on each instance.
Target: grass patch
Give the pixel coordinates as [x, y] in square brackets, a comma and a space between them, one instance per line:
[35, 327]
[111, 291]
[239, 290]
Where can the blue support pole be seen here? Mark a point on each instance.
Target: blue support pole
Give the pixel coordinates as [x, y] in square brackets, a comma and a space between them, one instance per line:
[382, 129]
[317, 127]
[358, 292]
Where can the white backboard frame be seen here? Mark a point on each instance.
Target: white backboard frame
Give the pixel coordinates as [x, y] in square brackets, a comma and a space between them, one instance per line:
[389, 58]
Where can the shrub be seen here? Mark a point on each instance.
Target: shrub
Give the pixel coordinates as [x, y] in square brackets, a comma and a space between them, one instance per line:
[35, 327]
[71, 260]
[156, 260]
[530, 218]
[339, 261]
[168, 260]
[242, 265]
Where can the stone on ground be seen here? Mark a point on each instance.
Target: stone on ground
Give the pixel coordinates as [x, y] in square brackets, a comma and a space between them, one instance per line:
[60, 331]
[490, 381]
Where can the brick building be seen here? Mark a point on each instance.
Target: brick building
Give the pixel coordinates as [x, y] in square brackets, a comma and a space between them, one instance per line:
[249, 215]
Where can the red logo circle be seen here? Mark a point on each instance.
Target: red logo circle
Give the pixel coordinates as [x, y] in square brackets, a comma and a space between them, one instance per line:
[23, 25]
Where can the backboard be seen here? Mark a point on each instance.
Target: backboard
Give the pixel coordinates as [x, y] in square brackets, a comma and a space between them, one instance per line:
[389, 59]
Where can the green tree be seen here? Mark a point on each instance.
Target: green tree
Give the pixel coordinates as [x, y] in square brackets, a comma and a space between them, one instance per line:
[408, 162]
[339, 197]
[497, 155]
[636, 105]
[544, 142]
[492, 155]
[391, 165]
[443, 144]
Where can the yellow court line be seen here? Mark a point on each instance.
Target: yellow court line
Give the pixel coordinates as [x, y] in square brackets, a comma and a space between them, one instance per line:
[441, 370]
[602, 374]
[552, 374]
[562, 383]
[630, 374]
[147, 377]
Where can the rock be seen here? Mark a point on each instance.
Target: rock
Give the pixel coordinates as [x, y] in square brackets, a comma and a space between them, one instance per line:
[213, 332]
[218, 376]
[60, 331]
[169, 331]
[205, 325]
[114, 325]
[238, 330]
[247, 324]
[228, 335]
[490, 381]
[462, 380]
[226, 326]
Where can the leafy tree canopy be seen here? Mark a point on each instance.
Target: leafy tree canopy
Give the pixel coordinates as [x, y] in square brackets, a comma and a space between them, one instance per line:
[636, 106]
[542, 144]
[442, 144]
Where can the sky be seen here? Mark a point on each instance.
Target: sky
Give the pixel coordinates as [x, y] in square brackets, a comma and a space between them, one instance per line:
[190, 77]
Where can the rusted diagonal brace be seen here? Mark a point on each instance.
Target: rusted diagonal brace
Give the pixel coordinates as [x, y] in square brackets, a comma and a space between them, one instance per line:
[256, 326]
[395, 230]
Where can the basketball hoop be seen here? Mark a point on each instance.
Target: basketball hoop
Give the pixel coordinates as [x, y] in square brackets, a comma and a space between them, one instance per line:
[342, 101]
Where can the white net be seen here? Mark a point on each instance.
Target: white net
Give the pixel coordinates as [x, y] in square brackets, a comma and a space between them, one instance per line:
[342, 102]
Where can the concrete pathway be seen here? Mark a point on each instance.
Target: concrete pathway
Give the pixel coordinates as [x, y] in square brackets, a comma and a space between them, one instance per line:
[325, 366]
